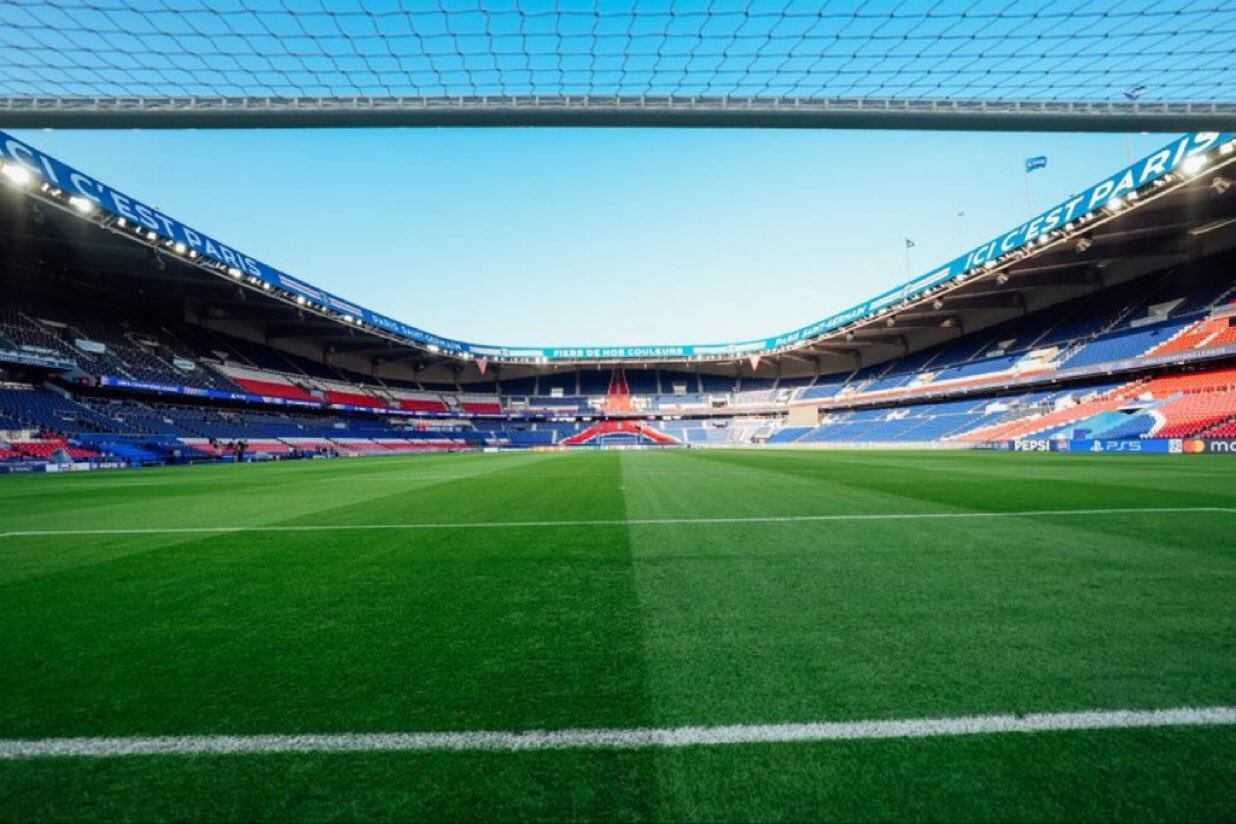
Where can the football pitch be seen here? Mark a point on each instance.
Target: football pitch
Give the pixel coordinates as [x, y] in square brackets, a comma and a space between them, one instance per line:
[675, 635]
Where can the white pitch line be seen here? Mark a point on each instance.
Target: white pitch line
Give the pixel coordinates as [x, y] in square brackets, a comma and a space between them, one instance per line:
[755, 519]
[615, 739]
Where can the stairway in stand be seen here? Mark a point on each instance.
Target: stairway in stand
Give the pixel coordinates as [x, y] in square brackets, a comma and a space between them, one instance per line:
[618, 399]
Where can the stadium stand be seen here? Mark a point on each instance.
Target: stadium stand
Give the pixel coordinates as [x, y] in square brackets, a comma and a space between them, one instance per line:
[1122, 345]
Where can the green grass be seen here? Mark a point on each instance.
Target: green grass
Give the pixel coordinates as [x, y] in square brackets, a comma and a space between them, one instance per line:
[545, 627]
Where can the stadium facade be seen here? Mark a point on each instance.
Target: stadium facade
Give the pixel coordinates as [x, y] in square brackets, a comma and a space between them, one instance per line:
[1105, 322]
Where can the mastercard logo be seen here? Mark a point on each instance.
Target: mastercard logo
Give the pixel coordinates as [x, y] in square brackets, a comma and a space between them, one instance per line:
[1194, 445]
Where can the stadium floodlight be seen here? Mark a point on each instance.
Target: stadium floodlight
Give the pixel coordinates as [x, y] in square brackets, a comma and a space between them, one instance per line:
[1193, 165]
[17, 174]
[980, 64]
[82, 204]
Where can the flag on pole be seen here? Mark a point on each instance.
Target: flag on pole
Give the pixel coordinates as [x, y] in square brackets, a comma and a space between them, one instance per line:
[1035, 163]
[482, 364]
[909, 243]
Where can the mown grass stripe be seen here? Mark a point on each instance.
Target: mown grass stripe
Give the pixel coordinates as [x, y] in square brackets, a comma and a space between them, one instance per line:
[631, 738]
[615, 522]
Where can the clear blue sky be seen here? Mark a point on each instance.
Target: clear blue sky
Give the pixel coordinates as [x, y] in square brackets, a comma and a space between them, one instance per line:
[608, 237]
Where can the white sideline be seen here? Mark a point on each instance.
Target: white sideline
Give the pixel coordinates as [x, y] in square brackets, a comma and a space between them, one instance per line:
[754, 519]
[611, 739]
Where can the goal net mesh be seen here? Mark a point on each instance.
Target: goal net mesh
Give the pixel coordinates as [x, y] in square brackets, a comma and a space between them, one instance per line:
[1000, 50]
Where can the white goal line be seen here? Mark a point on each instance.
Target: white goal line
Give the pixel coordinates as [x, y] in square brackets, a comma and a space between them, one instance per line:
[615, 739]
[614, 522]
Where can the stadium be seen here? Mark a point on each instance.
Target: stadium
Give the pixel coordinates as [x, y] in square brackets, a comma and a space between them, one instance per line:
[961, 550]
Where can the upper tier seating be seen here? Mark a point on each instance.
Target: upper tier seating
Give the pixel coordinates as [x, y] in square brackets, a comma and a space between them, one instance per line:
[421, 404]
[1127, 343]
[480, 407]
[518, 387]
[1204, 334]
[269, 384]
[51, 411]
[353, 398]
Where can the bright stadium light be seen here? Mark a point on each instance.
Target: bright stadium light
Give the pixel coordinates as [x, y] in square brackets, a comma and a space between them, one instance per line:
[17, 174]
[82, 204]
[1194, 164]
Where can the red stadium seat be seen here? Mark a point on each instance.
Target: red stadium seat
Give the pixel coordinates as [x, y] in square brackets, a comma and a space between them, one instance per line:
[274, 389]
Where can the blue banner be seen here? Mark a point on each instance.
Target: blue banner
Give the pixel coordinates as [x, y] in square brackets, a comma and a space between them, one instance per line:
[196, 392]
[1131, 446]
[1147, 170]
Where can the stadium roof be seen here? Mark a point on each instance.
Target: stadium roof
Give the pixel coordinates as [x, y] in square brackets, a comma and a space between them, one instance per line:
[974, 64]
[1150, 213]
